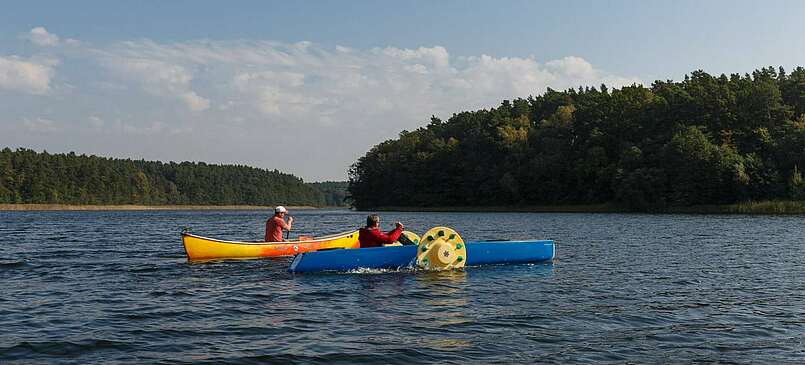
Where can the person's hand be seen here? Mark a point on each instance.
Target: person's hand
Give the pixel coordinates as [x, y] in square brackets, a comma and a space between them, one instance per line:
[399, 225]
[290, 219]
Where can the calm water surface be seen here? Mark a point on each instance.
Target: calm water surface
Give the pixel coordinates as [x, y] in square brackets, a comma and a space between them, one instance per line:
[115, 287]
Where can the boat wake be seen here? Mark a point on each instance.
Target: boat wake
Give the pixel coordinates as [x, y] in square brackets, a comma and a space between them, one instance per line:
[364, 270]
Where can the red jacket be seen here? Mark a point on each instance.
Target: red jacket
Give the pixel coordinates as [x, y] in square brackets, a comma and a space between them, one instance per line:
[372, 237]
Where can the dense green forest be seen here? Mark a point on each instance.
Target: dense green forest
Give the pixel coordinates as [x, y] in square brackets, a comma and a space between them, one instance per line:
[30, 177]
[704, 140]
[335, 192]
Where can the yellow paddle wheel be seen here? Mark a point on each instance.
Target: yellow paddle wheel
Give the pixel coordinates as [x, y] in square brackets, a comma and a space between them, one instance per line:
[441, 248]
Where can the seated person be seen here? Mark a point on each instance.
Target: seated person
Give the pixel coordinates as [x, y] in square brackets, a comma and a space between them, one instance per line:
[276, 224]
[371, 236]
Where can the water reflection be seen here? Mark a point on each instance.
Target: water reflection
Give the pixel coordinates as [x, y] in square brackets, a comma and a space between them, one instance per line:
[451, 278]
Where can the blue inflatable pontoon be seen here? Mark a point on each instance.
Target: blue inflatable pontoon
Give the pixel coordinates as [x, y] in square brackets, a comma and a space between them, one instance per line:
[396, 257]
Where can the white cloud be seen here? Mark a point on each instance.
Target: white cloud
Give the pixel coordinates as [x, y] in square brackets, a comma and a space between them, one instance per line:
[159, 78]
[195, 102]
[574, 67]
[41, 125]
[41, 37]
[273, 92]
[96, 121]
[436, 56]
[133, 130]
[305, 81]
[27, 76]
[155, 127]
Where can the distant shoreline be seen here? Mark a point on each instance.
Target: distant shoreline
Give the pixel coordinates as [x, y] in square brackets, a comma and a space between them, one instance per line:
[593, 208]
[760, 208]
[35, 207]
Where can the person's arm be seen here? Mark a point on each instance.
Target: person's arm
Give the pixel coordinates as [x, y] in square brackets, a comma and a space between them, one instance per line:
[394, 234]
[286, 226]
[391, 236]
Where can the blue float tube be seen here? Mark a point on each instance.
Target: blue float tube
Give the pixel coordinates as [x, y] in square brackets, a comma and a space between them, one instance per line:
[396, 257]
[509, 252]
[391, 257]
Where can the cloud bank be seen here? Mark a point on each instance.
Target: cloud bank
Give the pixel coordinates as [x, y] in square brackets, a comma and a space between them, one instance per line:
[41, 37]
[267, 101]
[26, 76]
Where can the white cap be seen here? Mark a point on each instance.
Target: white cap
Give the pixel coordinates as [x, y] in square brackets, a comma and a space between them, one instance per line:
[280, 209]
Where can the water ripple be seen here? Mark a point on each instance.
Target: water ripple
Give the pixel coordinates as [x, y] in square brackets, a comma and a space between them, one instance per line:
[624, 289]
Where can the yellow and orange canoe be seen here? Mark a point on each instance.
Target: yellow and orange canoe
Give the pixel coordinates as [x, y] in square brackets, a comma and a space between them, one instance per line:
[203, 248]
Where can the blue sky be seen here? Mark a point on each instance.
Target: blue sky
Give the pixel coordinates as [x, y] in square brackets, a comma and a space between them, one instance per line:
[308, 87]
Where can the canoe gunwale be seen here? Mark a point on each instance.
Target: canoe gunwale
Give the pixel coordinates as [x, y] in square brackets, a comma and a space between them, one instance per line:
[263, 243]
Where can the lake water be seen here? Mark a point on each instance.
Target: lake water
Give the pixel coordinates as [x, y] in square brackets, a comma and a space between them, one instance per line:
[115, 287]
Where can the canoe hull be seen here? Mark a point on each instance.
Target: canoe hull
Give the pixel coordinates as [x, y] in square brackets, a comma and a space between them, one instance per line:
[204, 248]
[395, 257]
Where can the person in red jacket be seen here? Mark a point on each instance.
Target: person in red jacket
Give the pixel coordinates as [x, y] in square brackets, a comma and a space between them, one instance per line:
[371, 236]
[276, 224]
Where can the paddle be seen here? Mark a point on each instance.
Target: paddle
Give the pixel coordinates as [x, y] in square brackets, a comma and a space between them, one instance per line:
[288, 232]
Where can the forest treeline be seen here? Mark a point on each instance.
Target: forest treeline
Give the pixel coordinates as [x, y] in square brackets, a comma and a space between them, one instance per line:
[705, 140]
[335, 192]
[27, 176]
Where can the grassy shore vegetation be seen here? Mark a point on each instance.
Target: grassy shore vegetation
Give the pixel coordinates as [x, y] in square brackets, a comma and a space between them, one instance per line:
[29, 177]
[694, 145]
[750, 207]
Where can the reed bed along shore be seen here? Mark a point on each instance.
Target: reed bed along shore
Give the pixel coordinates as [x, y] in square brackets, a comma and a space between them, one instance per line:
[759, 207]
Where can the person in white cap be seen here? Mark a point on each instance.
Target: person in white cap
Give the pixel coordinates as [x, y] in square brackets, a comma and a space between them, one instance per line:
[276, 224]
